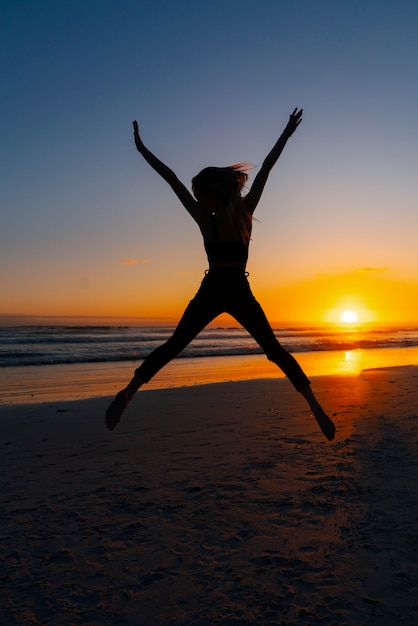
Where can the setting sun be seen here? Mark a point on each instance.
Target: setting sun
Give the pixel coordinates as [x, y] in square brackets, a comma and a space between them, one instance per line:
[349, 317]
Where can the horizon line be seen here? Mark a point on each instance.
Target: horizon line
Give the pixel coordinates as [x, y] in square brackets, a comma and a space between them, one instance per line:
[21, 319]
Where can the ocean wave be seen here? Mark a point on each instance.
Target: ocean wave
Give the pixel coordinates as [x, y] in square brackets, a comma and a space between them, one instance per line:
[32, 346]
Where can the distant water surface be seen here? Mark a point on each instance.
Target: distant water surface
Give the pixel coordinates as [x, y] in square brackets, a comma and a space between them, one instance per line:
[46, 345]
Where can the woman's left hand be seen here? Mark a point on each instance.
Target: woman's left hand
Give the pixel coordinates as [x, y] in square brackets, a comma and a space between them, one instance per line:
[294, 121]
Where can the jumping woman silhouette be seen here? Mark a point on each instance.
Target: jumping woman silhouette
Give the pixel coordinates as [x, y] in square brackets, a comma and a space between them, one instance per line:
[224, 217]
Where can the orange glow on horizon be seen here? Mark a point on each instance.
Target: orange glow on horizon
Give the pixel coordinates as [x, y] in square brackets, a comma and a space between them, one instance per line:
[320, 300]
[373, 301]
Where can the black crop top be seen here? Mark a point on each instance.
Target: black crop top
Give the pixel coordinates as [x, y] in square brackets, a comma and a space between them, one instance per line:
[225, 251]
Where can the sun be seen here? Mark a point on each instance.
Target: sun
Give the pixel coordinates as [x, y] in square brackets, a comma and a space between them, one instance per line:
[351, 313]
[349, 317]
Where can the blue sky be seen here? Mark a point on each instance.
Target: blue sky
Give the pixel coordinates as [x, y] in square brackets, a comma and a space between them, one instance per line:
[210, 83]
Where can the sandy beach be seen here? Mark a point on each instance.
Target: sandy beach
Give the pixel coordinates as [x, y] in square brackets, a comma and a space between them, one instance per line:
[214, 504]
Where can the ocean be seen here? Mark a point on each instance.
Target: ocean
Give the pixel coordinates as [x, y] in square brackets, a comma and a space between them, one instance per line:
[55, 363]
[22, 346]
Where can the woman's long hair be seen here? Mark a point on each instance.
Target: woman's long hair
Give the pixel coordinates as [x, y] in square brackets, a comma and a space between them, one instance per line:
[226, 184]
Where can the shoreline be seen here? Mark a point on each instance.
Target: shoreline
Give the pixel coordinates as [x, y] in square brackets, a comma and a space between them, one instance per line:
[47, 383]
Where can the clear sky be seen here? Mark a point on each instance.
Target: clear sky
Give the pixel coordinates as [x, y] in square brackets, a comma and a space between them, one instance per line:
[88, 229]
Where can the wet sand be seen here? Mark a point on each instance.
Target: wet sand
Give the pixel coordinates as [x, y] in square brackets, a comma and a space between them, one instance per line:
[36, 384]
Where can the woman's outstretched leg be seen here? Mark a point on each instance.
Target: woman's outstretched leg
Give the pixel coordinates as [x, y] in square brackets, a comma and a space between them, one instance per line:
[199, 312]
[324, 422]
[117, 407]
[252, 317]
[151, 365]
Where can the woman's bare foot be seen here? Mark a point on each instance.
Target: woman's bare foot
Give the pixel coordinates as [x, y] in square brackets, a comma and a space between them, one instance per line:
[115, 410]
[324, 423]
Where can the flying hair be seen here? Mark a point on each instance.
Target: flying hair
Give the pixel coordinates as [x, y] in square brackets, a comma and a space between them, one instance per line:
[227, 184]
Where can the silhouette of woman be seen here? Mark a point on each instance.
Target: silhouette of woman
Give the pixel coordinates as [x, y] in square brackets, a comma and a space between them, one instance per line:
[224, 217]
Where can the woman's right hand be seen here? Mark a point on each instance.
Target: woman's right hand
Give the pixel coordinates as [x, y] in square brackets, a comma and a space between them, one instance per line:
[138, 141]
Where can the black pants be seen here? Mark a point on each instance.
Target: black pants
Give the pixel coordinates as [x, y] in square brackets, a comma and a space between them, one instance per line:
[224, 291]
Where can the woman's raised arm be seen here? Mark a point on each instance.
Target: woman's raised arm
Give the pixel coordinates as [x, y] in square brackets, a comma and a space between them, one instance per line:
[169, 176]
[253, 196]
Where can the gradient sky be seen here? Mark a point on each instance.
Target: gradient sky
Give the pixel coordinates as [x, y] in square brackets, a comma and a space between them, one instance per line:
[88, 229]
